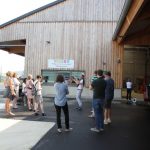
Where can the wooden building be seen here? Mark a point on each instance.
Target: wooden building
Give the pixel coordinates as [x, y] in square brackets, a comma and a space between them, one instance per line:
[133, 33]
[78, 30]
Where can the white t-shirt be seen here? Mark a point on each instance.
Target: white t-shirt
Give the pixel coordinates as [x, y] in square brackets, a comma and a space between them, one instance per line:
[38, 87]
[16, 84]
[23, 88]
[80, 87]
[129, 85]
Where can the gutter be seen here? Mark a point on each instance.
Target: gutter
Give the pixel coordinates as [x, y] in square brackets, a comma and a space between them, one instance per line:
[122, 18]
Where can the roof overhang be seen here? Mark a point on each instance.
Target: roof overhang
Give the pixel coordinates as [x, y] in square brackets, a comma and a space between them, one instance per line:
[134, 24]
[17, 47]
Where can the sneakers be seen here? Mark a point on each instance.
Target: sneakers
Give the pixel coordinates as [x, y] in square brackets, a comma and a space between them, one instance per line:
[95, 130]
[101, 130]
[11, 114]
[68, 130]
[43, 114]
[15, 107]
[59, 130]
[105, 122]
[36, 114]
[91, 116]
[79, 108]
[108, 120]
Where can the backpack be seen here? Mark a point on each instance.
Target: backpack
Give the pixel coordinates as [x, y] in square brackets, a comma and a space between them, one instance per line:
[34, 90]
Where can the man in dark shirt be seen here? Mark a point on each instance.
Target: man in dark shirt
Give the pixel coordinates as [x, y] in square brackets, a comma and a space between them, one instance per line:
[98, 87]
[109, 95]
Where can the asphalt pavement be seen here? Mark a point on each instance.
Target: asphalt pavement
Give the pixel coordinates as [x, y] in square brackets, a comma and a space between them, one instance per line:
[130, 128]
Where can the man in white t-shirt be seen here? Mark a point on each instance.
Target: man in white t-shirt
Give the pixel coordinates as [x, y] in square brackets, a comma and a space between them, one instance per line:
[129, 89]
[80, 85]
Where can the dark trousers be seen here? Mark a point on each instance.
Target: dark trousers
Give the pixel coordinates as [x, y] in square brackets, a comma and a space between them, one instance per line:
[129, 94]
[58, 114]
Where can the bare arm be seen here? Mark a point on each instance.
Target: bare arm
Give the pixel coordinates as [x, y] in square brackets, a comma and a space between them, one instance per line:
[11, 87]
[76, 81]
[90, 87]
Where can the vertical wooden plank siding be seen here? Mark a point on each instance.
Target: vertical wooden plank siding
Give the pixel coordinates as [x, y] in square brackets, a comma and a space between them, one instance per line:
[77, 29]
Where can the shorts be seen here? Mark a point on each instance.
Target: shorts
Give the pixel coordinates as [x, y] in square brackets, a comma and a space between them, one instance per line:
[108, 103]
[38, 98]
[7, 94]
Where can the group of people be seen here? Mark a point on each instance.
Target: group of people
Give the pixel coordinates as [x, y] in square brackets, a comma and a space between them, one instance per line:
[101, 84]
[31, 93]
[103, 92]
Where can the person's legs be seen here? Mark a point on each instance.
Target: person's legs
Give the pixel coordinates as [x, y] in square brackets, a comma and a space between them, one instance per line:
[106, 111]
[14, 102]
[36, 104]
[29, 103]
[7, 105]
[41, 107]
[97, 113]
[66, 113]
[92, 112]
[105, 115]
[78, 98]
[58, 114]
[129, 93]
[109, 115]
[25, 100]
[101, 111]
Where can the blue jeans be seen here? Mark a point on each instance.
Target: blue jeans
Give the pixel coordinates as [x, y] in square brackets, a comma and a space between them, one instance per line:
[98, 105]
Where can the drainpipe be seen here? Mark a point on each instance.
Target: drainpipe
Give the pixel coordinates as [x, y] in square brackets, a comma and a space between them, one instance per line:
[122, 18]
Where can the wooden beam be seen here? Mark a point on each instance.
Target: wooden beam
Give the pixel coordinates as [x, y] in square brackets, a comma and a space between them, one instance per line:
[15, 50]
[132, 14]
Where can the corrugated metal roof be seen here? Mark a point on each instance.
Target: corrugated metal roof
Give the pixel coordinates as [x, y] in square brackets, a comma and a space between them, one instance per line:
[32, 12]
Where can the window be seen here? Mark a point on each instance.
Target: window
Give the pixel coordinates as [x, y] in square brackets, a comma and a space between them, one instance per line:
[50, 75]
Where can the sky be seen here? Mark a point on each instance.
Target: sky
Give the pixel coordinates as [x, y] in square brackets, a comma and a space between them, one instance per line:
[10, 9]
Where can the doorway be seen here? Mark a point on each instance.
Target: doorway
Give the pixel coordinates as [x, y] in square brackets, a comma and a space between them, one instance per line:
[136, 68]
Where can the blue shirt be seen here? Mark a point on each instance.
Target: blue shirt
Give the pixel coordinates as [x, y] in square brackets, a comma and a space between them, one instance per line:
[109, 91]
[61, 92]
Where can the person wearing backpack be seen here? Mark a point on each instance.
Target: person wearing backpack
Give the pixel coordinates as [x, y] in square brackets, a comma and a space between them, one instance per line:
[38, 96]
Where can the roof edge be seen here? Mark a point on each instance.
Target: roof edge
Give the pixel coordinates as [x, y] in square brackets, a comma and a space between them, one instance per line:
[31, 13]
[122, 17]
